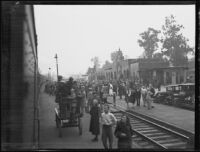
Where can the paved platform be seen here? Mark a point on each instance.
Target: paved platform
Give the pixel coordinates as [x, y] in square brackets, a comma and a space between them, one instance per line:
[71, 140]
[70, 136]
[181, 118]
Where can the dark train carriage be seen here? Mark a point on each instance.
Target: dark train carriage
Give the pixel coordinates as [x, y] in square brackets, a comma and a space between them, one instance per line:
[19, 77]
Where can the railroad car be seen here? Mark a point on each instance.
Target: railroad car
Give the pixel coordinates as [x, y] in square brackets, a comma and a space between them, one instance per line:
[20, 79]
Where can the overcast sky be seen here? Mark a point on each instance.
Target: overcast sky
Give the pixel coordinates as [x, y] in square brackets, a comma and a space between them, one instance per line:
[79, 32]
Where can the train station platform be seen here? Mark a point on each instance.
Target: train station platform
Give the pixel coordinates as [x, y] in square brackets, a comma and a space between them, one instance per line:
[178, 117]
[70, 139]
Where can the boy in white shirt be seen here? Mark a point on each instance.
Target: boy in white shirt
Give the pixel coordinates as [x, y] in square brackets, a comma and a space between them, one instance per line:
[107, 120]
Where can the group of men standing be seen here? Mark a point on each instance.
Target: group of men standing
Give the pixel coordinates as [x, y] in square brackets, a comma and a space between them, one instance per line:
[130, 90]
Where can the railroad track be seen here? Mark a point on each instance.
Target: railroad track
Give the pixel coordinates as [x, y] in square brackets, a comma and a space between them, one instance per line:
[149, 135]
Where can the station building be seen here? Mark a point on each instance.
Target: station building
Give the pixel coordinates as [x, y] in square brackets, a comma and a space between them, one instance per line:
[191, 71]
[155, 71]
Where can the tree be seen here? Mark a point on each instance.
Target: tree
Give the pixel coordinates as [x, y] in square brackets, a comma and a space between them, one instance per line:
[117, 56]
[88, 71]
[158, 55]
[107, 63]
[95, 60]
[174, 44]
[149, 41]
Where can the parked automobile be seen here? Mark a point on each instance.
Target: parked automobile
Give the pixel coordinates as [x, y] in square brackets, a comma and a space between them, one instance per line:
[186, 96]
[167, 97]
[160, 97]
[180, 95]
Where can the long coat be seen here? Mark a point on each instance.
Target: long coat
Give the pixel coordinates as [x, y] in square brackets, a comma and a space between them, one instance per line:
[138, 93]
[94, 121]
[121, 91]
[132, 97]
[124, 142]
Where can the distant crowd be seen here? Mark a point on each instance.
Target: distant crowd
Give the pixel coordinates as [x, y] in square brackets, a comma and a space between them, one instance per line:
[93, 99]
[131, 91]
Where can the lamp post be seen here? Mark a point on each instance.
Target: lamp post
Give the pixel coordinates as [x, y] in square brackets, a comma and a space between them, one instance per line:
[49, 75]
[56, 57]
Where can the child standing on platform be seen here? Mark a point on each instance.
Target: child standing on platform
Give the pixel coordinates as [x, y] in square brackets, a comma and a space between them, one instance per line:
[108, 120]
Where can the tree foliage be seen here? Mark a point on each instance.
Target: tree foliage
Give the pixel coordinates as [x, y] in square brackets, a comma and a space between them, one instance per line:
[174, 44]
[158, 55]
[88, 71]
[107, 63]
[117, 56]
[149, 41]
[96, 62]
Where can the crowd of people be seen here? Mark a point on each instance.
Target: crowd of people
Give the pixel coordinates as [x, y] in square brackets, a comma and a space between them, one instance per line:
[93, 99]
[50, 88]
[132, 92]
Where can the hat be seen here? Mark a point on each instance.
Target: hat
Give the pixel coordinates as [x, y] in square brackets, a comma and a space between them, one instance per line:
[71, 79]
[95, 101]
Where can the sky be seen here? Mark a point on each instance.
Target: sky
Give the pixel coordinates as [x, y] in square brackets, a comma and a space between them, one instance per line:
[77, 33]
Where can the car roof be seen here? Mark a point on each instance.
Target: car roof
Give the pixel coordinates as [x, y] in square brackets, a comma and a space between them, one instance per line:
[186, 84]
[172, 85]
[183, 84]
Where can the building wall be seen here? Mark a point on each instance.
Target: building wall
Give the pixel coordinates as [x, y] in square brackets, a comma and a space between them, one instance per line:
[145, 71]
[100, 74]
[5, 74]
[134, 68]
[191, 71]
[12, 128]
[125, 68]
[115, 71]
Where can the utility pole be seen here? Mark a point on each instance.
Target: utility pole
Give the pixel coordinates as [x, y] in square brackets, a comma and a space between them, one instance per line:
[56, 57]
[49, 74]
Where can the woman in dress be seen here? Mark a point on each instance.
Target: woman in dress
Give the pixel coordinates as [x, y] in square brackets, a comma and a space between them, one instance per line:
[124, 133]
[95, 113]
[110, 89]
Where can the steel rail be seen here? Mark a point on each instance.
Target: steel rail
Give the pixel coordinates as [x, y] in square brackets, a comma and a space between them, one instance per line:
[162, 128]
[159, 126]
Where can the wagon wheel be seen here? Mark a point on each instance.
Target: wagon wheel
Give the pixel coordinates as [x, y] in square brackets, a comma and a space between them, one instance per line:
[80, 126]
[59, 128]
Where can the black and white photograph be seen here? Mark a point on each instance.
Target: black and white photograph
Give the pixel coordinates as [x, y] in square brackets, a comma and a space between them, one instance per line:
[98, 77]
